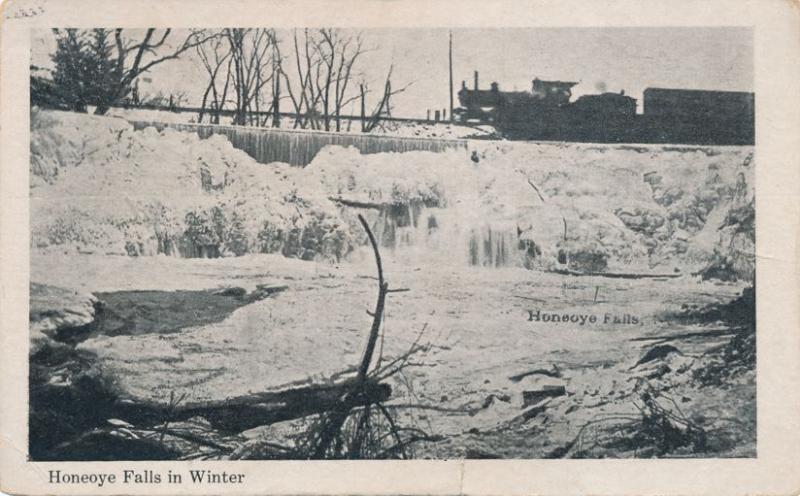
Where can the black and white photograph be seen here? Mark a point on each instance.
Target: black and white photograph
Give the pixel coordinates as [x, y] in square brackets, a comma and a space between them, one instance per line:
[338, 243]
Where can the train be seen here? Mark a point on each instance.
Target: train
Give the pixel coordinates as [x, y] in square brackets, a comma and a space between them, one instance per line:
[547, 112]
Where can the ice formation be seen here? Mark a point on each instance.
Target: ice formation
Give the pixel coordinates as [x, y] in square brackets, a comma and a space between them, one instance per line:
[99, 186]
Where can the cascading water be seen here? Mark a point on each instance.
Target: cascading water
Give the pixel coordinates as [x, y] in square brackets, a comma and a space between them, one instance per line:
[439, 209]
[493, 247]
[299, 147]
[401, 225]
[417, 232]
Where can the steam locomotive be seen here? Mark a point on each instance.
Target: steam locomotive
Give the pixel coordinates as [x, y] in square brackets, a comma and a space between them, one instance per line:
[547, 112]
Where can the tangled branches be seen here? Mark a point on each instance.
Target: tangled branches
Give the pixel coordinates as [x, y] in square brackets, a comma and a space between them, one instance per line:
[659, 429]
[371, 427]
[359, 425]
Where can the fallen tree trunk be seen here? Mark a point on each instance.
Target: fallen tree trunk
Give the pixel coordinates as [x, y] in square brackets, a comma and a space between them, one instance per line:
[358, 204]
[713, 333]
[615, 275]
[246, 412]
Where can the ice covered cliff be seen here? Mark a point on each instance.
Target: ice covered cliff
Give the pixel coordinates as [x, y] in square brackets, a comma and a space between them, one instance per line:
[99, 186]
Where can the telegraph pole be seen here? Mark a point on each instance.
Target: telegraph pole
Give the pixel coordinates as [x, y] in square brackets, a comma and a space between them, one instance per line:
[276, 97]
[450, 56]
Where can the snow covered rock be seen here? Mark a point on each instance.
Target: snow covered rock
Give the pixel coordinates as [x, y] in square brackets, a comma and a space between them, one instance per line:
[60, 313]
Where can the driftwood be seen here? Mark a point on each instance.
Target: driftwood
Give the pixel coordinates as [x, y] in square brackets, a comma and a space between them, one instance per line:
[536, 188]
[554, 371]
[246, 412]
[614, 275]
[537, 300]
[357, 204]
[383, 290]
[713, 333]
[535, 410]
[534, 396]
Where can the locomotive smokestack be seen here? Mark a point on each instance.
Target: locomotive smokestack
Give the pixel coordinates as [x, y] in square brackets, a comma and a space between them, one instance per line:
[476, 80]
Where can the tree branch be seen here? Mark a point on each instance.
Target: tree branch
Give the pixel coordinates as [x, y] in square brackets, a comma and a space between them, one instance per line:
[379, 305]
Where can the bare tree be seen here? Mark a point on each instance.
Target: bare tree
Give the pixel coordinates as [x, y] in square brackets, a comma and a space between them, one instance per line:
[303, 98]
[317, 77]
[384, 106]
[250, 51]
[214, 55]
[338, 53]
[324, 63]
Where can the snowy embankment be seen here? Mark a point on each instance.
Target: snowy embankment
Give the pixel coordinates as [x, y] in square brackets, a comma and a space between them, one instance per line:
[99, 186]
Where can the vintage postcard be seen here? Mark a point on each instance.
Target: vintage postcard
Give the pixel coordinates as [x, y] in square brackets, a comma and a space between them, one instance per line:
[399, 248]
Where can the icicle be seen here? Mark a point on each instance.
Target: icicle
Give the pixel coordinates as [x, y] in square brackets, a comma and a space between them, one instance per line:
[268, 145]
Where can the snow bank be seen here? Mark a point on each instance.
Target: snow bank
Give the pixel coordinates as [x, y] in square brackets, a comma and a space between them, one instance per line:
[62, 139]
[645, 205]
[591, 207]
[100, 186]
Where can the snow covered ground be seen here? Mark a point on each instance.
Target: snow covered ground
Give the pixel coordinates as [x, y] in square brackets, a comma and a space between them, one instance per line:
[476, 325]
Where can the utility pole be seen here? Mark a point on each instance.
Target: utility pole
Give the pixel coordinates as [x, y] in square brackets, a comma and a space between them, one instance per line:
[450, 56]
[276, 97]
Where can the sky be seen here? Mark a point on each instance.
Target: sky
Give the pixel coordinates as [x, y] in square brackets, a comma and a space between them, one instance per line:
[599, 59]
